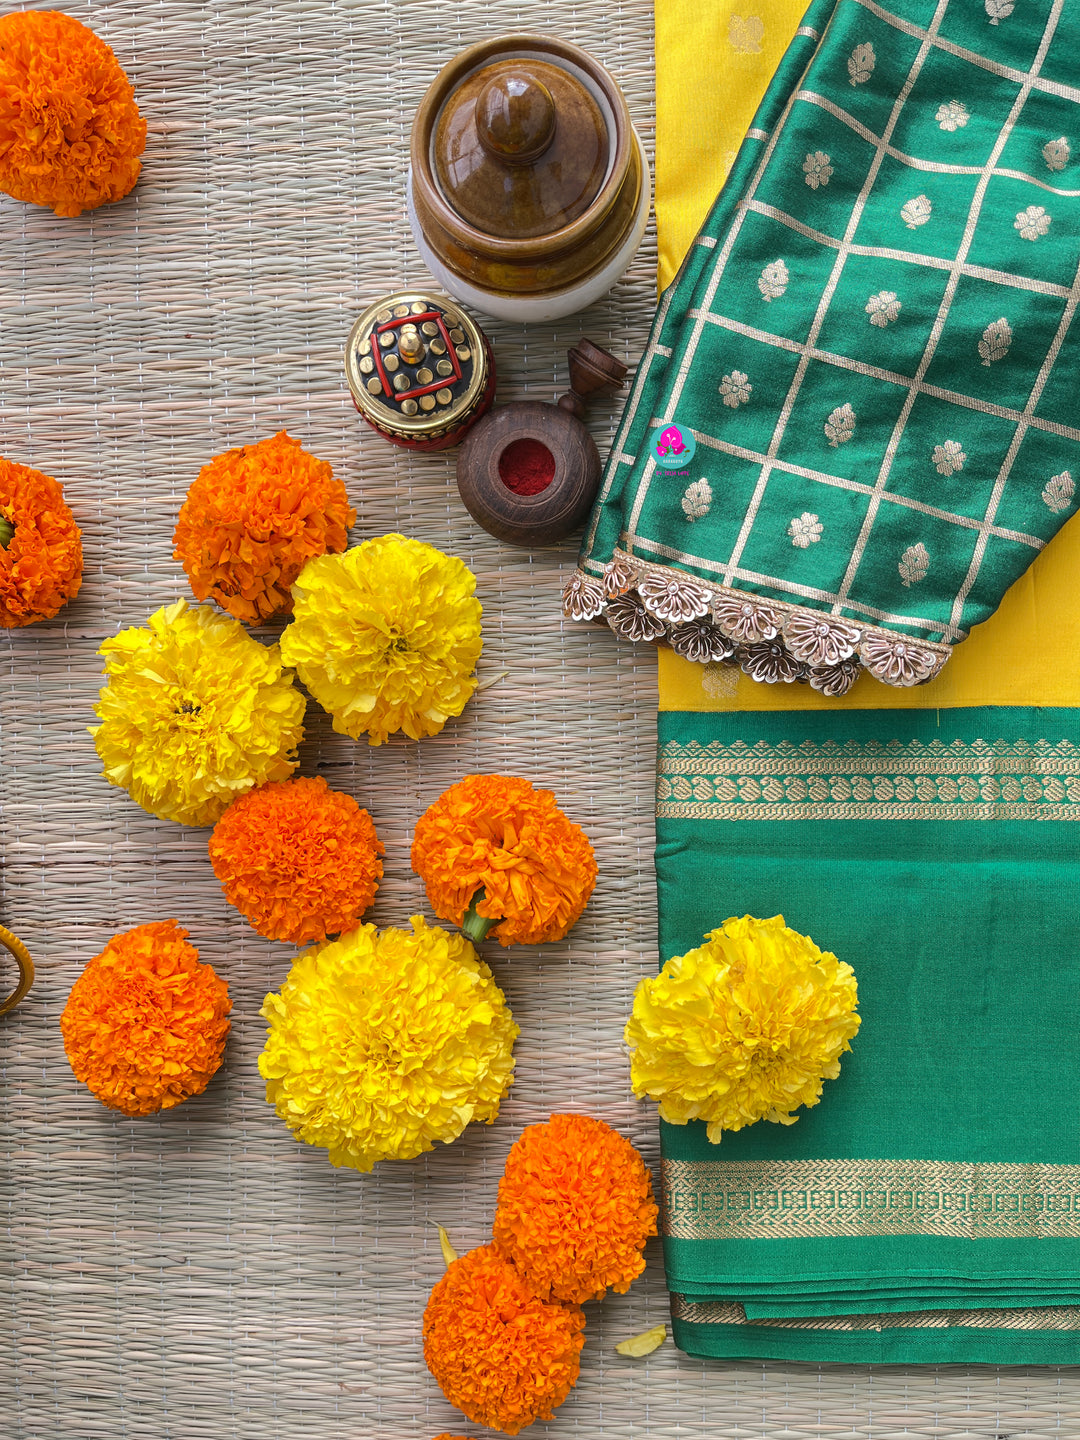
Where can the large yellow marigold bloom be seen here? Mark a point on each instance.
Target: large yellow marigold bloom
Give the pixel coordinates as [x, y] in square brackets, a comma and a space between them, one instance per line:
[495, 854]
[575, 1209]
[40, 545]
[298, 860]
[381, 1044]
[252, 520]
[744, 1028]
[70, 131]
[145, 1023]
[503, 1356]
[194, 714]
[386, 637]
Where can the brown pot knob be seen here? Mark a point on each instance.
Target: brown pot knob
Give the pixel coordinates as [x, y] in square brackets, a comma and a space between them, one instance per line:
[522, 448]
[515, 116]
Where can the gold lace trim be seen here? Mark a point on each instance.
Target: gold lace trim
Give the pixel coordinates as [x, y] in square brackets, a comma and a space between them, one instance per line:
[789, 1199]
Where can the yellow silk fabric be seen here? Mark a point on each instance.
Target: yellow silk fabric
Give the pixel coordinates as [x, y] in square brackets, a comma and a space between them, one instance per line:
[713, 64]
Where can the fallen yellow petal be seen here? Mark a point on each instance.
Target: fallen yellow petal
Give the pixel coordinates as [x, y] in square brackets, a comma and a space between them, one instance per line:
[645, 1343]
[449, 1254]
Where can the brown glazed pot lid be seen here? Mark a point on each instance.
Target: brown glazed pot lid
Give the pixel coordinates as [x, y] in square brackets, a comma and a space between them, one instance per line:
[520, 149]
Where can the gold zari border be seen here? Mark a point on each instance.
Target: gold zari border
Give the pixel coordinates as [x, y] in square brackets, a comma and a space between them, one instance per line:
[788, 1199]
[861, 780]
[727, 1312]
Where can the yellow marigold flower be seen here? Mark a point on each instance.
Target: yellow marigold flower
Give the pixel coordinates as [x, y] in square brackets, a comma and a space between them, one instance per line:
[145, 1024]
[386, 637]
[381, 1044]
[743, 1028]
[194, 714]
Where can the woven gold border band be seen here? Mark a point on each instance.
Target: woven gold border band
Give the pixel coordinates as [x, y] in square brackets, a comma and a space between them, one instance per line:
[795, 1199]
[859, 780]
[726, 1312]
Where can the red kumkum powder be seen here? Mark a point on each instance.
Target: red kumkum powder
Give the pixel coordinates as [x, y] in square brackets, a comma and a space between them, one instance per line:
[526, 467]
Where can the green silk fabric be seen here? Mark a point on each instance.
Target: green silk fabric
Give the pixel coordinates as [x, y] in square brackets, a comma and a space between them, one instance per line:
[928, 1207]
[872, 339]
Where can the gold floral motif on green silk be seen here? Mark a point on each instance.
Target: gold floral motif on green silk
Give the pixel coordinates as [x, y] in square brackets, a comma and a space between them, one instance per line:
[871, 351]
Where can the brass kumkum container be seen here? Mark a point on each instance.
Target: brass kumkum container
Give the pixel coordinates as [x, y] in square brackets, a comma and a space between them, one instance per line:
[420, 370]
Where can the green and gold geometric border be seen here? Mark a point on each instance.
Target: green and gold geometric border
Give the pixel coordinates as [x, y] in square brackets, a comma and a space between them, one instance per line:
[860, 780]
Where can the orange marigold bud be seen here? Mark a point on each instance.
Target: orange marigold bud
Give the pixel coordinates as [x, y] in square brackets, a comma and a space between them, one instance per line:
[40, 545]
[252, 520]
[502, 1356]
[575, 1209]
[70, 131]
[495, 854]
[145, 1023]
[298, 860]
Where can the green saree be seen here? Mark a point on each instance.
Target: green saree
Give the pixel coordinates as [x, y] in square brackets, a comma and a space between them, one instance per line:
[855, 423]
[928, 1208]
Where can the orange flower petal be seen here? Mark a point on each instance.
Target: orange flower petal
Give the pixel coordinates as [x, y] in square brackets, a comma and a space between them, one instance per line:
[41, 567]
[70, 131]
[575, 1209]
[502, 1356]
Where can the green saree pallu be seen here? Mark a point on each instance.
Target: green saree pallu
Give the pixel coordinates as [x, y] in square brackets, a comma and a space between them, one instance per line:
[928, 1207]
[855, 423]
[854, 426]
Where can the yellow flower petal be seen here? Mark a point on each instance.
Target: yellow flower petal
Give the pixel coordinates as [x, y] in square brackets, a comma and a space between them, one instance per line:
[643, 1344]
[195, 712]
[449, 1254]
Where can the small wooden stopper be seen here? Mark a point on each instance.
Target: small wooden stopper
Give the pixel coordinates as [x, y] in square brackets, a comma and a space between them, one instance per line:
[592, 370]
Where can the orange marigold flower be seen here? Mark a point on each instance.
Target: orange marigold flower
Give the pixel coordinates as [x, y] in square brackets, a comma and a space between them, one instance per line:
[145, 1023]
[40, 545]
[298, 860]
[252, 520]
[502, 1356]
[497, 855]
[575, 1209]
[70, 131]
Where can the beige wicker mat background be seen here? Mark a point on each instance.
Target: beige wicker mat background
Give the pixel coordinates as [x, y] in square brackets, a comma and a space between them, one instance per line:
[201, 1276]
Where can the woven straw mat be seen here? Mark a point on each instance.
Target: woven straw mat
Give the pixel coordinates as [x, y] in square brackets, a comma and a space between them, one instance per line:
[199, 1275]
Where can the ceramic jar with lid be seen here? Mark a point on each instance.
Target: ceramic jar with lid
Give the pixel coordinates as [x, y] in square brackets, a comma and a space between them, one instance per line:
[529, 190]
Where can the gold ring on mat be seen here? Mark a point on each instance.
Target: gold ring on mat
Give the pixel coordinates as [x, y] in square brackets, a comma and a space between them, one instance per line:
[26, 969]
